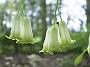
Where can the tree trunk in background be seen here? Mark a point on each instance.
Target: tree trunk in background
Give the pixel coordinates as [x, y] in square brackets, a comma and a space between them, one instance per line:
[88, 15]
[43, 17]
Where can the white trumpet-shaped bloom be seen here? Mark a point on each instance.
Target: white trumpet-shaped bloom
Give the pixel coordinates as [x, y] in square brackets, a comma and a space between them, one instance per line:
[26, 35]
[65, 35]
[52, 40]
[21, 30]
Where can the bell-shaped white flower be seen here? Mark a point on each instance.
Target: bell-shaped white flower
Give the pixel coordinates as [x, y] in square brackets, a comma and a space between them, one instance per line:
[26, 35]
[21, 30]
[65, 35]
[52, 40]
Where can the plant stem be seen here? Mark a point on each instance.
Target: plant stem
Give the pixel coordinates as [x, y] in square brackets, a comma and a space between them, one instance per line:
[55, 12]
[23, 7]
[60, 15]
[60, 12]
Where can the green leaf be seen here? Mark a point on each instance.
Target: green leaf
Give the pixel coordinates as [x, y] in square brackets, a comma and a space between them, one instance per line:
[78, 59]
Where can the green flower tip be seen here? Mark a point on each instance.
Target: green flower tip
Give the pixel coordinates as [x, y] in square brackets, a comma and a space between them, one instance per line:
[52, 40]
[25, 42]
[21, 30]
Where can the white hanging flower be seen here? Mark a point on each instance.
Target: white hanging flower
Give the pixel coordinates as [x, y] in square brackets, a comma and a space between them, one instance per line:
[21, 30]
[15, 29]
[52, 40]
[65, 36]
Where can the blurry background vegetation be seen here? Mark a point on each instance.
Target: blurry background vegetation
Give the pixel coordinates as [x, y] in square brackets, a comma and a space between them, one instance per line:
[41, 15]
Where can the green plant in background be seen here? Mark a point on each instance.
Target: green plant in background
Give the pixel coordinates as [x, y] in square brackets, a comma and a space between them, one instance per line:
[57, 37]
[80, 57]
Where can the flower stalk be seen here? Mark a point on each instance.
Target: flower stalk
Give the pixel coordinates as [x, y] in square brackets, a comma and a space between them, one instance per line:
[55, 12]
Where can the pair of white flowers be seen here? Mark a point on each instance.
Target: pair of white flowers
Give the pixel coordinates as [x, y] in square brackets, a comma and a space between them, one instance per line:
[57, 38]
[21, 30]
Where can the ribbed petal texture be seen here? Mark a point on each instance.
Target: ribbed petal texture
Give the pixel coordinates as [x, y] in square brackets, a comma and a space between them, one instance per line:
[21, 30]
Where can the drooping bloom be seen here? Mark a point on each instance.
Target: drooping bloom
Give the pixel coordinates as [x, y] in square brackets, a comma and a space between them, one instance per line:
[26, 35]
[15, 29]
[52, 40]
[21, 30]
[88, 48]
[65, 35]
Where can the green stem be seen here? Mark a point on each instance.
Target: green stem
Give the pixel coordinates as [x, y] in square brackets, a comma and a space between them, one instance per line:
[60, 15]
[23, 7]
[55, 12]
[84, 51]
[60, 12]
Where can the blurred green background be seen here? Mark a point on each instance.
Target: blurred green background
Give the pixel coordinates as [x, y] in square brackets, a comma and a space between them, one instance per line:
[41, 15]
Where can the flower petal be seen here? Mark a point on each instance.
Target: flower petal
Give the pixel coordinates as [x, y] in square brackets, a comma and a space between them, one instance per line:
[26, 35]
[21, 30]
